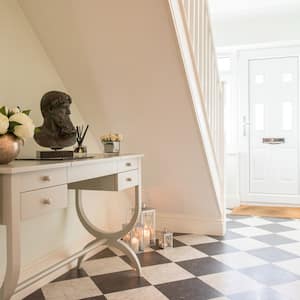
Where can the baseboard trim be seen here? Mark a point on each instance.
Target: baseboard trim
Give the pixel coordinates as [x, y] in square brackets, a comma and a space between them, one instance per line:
[50, 259]
[190, 224]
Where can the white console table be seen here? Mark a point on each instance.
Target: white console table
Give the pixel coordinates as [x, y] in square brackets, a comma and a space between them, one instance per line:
[32, 188]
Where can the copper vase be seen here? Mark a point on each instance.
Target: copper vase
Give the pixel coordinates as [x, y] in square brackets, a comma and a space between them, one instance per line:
[10, 147]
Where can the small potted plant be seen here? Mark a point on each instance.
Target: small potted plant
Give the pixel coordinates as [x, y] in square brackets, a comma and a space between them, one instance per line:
[15, 127]
[111, 142]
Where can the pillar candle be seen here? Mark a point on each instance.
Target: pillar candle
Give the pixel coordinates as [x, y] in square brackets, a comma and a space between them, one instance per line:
[135, 244]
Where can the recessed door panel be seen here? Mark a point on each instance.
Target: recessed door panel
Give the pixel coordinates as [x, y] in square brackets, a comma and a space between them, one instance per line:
[273, 129]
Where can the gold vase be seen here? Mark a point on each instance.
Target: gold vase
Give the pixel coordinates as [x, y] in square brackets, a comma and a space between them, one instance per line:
[10, 147]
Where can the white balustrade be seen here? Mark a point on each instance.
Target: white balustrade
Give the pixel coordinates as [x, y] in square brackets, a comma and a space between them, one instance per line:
[197, 20]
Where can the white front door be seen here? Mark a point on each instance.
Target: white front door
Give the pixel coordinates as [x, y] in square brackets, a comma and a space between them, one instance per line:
[270, 130]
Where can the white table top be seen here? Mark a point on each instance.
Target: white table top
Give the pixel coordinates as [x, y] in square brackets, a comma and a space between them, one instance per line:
[21, 166]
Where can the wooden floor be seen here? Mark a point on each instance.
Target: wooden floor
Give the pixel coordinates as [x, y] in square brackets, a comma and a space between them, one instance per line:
[267, 211]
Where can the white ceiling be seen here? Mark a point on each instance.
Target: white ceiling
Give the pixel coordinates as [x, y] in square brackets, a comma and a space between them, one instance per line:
[240, 8]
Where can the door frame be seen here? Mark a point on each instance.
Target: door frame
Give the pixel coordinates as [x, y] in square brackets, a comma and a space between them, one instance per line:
[243, 90]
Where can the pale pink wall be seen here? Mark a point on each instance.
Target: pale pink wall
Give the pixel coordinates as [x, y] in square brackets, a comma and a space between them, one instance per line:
[121, 61]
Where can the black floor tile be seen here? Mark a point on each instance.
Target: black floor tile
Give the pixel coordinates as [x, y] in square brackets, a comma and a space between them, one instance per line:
[275, 228]
[215, 248]
[37, 295]
[262, 294]
[119, 281]
[149, 259]
[235, 224]
[277, 220]
[178, 233]
[73, 274]
[270, 275]
[272, 254]
[273, 239]
[203, 266]
[103, 254]
[190, 289]
[177, 243]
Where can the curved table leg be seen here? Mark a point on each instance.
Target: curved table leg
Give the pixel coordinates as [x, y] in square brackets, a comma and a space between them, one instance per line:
[82, 258]
[111, 238]
[122, 246]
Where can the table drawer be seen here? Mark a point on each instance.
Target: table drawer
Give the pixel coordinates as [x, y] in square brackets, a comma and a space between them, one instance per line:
[43, 179]
[39, 202]
[80, 172]
[127, 180]
[128, 164]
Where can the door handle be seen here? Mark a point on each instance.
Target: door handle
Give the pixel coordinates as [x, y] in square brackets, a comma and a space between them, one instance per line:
[273, 141]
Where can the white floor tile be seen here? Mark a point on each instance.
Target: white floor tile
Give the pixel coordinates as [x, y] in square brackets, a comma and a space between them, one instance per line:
[254, 221]
[165, 273]
[293, 248]
[293, 224]
[73, 289]
[289, 290]
[239, 260]
[181, 253]
[105, 265]
[250, 231]
[194, 239]
[293, 235]
[230, 282]
[292, 265]
[145, 293]
[245, 244]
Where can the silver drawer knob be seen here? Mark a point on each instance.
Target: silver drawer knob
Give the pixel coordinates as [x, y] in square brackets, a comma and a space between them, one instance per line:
[128, 164]
[46, 201]
[128, 179]
[46, 178]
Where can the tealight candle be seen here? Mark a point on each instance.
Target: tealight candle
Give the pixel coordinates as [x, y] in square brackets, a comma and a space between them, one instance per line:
[147, 234]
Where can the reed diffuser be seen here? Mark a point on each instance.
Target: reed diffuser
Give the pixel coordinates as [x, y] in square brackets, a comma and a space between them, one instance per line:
[81, 150]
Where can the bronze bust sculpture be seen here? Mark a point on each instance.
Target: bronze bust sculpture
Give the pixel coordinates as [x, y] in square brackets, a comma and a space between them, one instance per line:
[57, 130]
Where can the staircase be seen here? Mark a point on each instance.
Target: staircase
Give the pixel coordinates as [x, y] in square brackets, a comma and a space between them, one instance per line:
[193, 27]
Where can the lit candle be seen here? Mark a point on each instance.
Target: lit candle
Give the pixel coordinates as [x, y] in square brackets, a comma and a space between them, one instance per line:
[147, 234]
[135, 244]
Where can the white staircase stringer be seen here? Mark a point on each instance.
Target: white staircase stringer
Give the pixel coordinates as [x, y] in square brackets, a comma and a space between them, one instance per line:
[187, 54]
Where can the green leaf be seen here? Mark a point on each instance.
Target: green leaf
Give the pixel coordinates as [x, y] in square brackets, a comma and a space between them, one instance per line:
[3, 111]
[26, 112]
[12, 125]
[37, 129]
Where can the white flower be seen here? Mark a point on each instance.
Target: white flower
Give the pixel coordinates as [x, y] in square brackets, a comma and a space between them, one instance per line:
[26, 129]
[4, 124]
[14, 110]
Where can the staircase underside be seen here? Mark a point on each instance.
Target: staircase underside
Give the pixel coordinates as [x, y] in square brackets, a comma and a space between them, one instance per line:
[121, 62]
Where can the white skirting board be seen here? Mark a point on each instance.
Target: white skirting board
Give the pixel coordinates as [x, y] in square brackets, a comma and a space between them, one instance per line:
[190, 224]
[50, 259]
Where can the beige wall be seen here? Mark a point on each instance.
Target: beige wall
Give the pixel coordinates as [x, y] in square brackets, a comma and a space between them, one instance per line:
[25, 74]
[121, 63]
[122, 60]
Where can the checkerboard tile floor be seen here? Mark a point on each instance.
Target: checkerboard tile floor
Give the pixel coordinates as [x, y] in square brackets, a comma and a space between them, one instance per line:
[258, 258]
